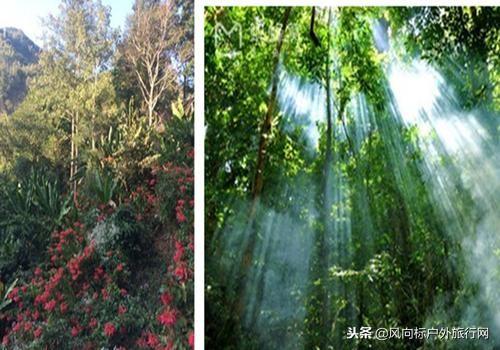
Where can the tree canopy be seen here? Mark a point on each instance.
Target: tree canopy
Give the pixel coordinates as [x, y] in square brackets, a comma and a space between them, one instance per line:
[368, 203]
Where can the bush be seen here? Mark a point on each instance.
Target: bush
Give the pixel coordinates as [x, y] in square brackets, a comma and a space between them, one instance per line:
[30, 210]
[121, 232]
[82, 300]
[85, 293]
[175, 183]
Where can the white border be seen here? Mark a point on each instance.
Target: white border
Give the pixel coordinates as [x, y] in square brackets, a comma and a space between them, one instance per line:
[199, 170]
[199, 179]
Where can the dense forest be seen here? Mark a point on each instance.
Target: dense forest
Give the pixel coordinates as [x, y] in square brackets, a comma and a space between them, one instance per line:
[352, 177]
[96, 180]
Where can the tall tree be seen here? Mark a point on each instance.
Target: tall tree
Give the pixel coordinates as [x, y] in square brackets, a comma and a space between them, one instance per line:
[71, 97]
[152, 35]
[270, 110]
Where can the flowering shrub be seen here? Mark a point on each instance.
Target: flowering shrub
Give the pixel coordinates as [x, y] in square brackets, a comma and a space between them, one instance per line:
[180, 178]
[65, 303]
[178, 284]
[84, 296]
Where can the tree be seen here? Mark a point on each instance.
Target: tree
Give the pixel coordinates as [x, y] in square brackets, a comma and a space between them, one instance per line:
[72, 96]
[465, 37]
[150, 39]
[357, 200]
[185, 48]
[268, 119]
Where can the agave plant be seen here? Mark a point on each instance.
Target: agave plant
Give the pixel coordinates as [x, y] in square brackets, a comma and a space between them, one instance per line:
[103, 186]
[37, 196]
[31, 209]
[49, 200]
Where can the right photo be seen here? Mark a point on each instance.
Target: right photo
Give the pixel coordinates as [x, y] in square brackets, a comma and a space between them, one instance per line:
[352, 178]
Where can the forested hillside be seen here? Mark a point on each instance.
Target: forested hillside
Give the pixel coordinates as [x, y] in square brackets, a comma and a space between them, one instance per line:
[17, 55]
[352, 178]
[96, 182]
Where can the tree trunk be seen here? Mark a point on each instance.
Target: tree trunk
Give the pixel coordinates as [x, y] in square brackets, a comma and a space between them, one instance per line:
[94, 110]
[318, 310]
[75, 181]
[312, 33]
[259, 173]
[73, 167]
[268, 119]
[72, 158]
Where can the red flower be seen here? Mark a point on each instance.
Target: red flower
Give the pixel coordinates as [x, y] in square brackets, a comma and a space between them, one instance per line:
[181, 272]
[191, 339]
[152, 340]
[98, 273]
[50, 305]
[93, 323]
[16, 327]
[167, 318]
[63, 307]
[13, 293]
[75, 330]
[179, 251]
[89, 250]
[42, 298]
[109, 329]
[166, 298]
[37, 332]
[74, 267]
[105, 294]
[122, 309]
[180, 216]
[119, 268]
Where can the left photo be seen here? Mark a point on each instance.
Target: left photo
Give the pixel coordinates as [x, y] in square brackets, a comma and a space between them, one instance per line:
[96, 174]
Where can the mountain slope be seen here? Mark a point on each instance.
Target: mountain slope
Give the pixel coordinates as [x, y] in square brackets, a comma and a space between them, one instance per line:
[17, 54]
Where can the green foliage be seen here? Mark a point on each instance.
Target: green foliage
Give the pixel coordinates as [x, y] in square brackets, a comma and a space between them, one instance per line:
[31, 209]
[381, 252]
[120, 232]
[463, 41]
[4, 292]
[121, 273]
[102, 187]
[178, 135]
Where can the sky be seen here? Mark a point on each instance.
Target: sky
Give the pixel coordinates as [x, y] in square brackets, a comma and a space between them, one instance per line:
[27, 14]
